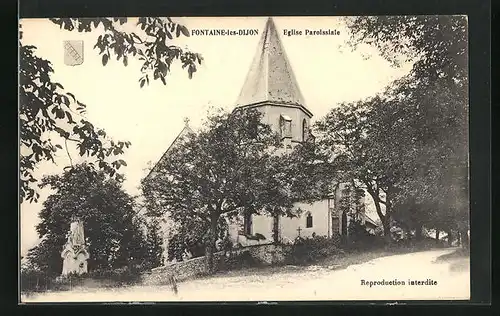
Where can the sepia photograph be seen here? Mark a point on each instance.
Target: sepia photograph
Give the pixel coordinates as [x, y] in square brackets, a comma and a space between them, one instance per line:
[255, 159]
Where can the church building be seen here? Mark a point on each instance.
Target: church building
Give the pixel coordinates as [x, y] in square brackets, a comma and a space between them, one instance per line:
[271, 87]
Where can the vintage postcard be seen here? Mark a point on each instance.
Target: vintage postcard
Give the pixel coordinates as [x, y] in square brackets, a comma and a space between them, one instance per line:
[257, 159]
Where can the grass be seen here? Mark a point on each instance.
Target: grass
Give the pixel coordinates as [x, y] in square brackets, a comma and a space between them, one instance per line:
[460, 253]
[342, 261]
[459, 260]
[335, 262]
[355, 257]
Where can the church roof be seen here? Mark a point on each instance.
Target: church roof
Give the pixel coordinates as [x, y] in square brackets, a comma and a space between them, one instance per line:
[270, 78]
[368, 220]
[184, 132]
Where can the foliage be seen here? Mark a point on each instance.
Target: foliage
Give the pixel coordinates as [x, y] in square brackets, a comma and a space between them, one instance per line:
[311, 249]
[231, 165]
[33, 279]
[151, 44]
[404, 157]
[154, 244]
[119, 276]
[47, 112]
[239, 260]
[351, 199]
[436, 43]
[112, 232]
[190, 236]
[360, 238]
[408, 146]
[45, 107]
[363, 151]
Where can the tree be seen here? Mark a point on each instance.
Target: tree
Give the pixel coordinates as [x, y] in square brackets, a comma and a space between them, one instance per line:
[402, 159]
[436, 43]
[112, 231]
[434, 96]
[190, 235]
[150, 44]
[154, 243]
[362, 138]
[436, 180]
[47, 112]
[232, 165]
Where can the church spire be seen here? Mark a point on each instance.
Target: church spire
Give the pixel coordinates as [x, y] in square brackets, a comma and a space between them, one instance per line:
[270, 78]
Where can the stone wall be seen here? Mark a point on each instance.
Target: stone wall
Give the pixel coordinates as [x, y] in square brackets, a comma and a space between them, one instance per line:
[269, 254]
[196, 267]
[183, 270]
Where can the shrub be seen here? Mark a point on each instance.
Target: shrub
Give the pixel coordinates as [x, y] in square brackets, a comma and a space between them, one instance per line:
[239, 260]
[404, 245]
[312, 249]
[360, 239]
[33, 280]
[125, 275]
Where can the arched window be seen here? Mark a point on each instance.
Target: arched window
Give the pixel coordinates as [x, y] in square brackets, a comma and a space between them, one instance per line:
[309, 220]
[305, 130]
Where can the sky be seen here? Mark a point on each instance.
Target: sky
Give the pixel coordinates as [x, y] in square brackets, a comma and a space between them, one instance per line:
[327, 71]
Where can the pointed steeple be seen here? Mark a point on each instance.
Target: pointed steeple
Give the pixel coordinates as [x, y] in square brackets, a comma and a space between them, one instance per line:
[271, 78]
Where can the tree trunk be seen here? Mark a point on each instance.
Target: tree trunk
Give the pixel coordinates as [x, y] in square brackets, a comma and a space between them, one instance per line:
[387, 230]
[210, 247]
[385, 219]
[464, 238]
[418, 232]
[388, 212]
[276, 219]
[450, 238]
[437, 236]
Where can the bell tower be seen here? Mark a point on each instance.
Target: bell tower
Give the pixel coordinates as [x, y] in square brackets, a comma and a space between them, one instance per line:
[271, 87]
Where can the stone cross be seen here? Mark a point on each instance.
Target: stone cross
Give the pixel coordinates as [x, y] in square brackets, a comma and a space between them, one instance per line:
[186, 121]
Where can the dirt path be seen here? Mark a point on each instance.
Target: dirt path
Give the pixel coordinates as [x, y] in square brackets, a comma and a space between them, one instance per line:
[310, 283]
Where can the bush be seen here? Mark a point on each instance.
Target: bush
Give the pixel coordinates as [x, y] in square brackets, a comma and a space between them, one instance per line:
[35, 280]
[39, 281]
[360, 239]
[312, 249]
[239, 260]
[404, 245]
[121, 276]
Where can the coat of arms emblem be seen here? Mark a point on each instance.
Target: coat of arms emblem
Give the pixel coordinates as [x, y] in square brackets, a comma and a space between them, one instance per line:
[73, 53]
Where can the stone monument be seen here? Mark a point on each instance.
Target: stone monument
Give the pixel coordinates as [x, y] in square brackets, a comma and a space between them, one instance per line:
[75, 253]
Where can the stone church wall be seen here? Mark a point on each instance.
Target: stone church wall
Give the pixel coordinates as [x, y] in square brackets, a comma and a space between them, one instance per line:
[273, 114]
[289, 227]
[321, 221]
